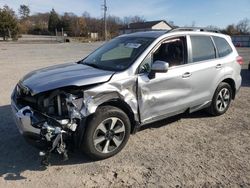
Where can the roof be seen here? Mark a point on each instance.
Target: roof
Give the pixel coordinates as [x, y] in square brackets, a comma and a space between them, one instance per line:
[144, 25]
[149, 34]
[158, 33]
[201, 29]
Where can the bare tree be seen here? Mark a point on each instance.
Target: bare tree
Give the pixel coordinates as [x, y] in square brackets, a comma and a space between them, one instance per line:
[243, 26]
[192, 24]
[38, 23]
[77, 26]
[133, 19]
[213, 27]
[137, 18]
[86, 14]
[172, 24]
[113, 24]
[230, 30]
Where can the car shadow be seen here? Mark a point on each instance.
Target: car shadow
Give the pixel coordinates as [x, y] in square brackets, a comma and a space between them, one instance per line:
[168, 121]
[17, 156]
[245, 74]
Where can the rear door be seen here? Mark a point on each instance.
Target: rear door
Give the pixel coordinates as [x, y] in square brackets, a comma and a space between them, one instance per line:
[204, 69]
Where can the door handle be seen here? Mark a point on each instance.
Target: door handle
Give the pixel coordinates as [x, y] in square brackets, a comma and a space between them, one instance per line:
[218, 66]
[186, 75]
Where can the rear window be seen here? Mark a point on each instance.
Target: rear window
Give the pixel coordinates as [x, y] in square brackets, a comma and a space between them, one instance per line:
[202, 48]
[222, 46]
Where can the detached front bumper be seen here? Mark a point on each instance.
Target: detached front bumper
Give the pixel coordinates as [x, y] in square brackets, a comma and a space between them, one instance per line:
[23, 120]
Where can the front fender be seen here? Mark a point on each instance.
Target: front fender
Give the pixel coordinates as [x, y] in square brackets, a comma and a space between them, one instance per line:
[123, 89]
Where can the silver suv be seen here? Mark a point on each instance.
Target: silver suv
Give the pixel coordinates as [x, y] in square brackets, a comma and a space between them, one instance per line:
[132, 80]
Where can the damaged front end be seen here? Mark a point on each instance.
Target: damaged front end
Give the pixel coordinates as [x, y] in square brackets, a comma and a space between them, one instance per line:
[50, 119]
[55, 120]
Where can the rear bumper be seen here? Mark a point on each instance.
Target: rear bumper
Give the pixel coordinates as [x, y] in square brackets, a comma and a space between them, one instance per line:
[238, 84]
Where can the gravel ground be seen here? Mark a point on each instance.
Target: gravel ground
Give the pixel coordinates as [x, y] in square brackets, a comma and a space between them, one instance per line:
[187, 150]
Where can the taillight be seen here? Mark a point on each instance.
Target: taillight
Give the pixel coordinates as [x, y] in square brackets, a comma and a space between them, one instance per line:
[239, 60]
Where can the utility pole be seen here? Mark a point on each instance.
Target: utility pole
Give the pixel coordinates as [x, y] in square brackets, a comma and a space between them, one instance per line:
[105, 8]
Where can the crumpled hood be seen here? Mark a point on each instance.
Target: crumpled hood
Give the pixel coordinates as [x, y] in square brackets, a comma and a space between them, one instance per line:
[71, 74]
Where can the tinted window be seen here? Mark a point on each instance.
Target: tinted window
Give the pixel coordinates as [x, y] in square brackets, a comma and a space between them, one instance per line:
[203, 48]
[222, 46]
[171, 51]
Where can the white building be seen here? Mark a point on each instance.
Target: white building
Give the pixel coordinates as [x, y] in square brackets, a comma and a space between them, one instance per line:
[145, 26]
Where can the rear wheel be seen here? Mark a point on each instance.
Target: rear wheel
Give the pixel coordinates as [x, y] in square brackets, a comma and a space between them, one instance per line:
[107, 133]
[221, 99]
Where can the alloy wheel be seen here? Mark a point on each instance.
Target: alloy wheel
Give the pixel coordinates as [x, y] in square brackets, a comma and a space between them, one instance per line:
[109, 135]
[223, 99]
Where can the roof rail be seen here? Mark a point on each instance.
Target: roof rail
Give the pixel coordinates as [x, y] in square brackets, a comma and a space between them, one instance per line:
[200, 29]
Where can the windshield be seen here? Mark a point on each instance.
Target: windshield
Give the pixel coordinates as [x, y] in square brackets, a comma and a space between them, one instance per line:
[118, 54]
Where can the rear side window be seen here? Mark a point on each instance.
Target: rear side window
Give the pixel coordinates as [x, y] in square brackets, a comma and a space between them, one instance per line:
[222, 46]
[202, 48]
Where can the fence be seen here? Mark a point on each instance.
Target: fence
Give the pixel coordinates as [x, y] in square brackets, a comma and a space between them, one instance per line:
[241, 40]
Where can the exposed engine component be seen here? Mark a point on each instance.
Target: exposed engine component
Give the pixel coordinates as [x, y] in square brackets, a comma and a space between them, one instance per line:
[74, 105]
[55, 114]
[53, 135]
[68, 106]
[68, 124]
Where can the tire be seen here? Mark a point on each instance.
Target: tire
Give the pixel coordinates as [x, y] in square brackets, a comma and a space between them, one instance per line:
[106, 134]
[221, 99]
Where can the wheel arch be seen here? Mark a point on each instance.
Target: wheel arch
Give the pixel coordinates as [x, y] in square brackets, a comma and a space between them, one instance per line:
[231, 82]
[118, 103]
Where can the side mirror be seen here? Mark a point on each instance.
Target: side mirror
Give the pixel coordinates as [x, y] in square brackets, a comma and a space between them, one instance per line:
[160, 66]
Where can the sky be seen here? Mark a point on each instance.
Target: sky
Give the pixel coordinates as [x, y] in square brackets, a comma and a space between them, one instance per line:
[182, 12]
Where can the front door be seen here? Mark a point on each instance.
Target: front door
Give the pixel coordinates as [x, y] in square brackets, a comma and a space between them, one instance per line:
[164, 94]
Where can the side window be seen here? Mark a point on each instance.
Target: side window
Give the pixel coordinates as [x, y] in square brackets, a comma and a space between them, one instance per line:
[145, 67]
[222, 46]
[172, 51]
[202, 48]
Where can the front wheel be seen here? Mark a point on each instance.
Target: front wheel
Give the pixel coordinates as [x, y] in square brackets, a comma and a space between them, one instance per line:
[107, 133]
[221, 99]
